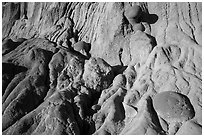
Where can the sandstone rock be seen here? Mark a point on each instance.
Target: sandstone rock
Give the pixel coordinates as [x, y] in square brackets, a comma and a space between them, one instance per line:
[140, 45]
[82, 47]
[14, 82]
[71, 73]
[173, 106]
[133, 13]
[118, 82]
[62, 64]
[83, 102]
[190, 128]
[98, 74]
[138, 27]
[110, 119]
[9, 70]
[56, 65]
[99, 67]
[54, 116]
[29, 93]
[132, 98]
[9, 45]
[131, 75]
[10, 15]
[145, 122]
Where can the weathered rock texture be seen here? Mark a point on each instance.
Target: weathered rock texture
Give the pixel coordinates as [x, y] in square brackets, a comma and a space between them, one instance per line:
[102, 68]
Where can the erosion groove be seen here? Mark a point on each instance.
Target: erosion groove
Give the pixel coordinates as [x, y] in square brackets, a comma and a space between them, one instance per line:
[114, 68]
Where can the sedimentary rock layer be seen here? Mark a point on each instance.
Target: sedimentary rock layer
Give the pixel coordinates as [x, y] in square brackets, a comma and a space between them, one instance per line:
[113, 68]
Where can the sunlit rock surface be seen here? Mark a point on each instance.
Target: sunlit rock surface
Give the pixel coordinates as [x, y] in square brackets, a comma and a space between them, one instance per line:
[102, 68]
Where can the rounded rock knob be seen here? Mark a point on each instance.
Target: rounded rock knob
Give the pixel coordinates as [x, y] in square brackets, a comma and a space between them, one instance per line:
[133, 13]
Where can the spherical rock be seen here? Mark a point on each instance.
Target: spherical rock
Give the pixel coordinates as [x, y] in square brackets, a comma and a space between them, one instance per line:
[133, 13]
[81, 45]
[138, 26]
[173, 106]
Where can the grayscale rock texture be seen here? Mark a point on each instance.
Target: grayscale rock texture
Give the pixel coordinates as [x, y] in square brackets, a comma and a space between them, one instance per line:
[102, 68]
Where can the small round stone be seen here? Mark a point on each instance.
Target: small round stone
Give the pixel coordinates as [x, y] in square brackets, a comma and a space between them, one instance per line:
[81, 45]
[138, 26]
[133, 12]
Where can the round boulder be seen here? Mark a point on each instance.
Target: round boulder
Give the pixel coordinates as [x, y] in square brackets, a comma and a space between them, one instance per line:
[138, 26]
[133, 13]
[81, 45]
[173, 106]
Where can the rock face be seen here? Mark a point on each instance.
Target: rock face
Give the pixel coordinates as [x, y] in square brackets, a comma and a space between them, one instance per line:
[101, 68]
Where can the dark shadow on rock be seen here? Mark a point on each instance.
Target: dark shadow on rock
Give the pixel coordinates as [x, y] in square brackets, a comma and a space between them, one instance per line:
[153, 40]
[54, 43]
[8, 45]
[125, 20]
[12, 69]
[76, 35]
[77, 53]
[154, 116]
[118, 69]
[88, 47]
[149, 18]
[9, 70]
[69, 44]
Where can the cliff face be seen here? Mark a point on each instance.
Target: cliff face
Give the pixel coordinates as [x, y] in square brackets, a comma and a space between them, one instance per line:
[102, 68]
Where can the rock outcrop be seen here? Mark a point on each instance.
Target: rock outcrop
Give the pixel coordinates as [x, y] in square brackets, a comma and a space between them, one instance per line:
[114, 68]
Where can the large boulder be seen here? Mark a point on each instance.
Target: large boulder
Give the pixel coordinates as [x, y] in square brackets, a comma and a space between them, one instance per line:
[98, 74]
[173, 106]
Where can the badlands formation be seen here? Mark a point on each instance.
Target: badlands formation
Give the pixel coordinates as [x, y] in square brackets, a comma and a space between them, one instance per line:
[102, 68]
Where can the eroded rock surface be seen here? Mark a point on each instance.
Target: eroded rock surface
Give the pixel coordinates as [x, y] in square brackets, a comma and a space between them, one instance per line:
[113, 68]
